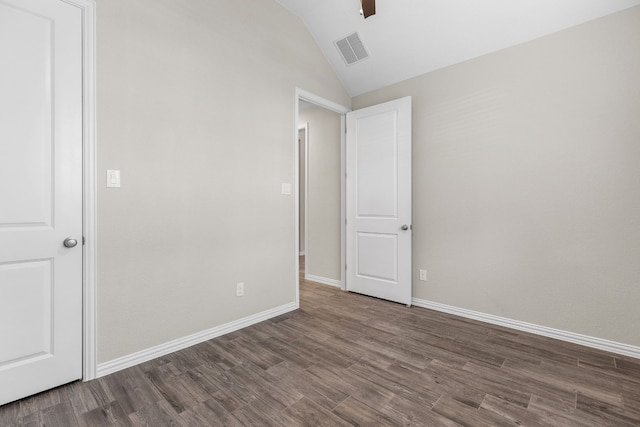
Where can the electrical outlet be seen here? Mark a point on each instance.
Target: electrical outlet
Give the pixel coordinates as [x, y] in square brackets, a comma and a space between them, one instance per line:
[423, 275]
[240, 289]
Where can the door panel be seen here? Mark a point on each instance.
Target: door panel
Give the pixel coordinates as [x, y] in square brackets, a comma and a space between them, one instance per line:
[379, 201]
[25, 80]
[29, 284]
[377, 166]
[40, 196]
[377, 256]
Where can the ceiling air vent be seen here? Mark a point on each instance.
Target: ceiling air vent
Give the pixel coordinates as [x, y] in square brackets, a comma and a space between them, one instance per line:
[352, 49]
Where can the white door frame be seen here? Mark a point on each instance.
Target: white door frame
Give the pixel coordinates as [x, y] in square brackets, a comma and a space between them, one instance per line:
[89, 205]
[301, 94]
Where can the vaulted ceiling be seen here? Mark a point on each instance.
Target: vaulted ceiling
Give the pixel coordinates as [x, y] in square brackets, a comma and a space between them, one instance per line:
[406, 38]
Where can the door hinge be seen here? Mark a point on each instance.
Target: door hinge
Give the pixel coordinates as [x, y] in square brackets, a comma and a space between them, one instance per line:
[82, 240]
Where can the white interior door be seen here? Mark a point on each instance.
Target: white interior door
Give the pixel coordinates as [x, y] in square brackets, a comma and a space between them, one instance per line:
[379, 201]
[40, 196]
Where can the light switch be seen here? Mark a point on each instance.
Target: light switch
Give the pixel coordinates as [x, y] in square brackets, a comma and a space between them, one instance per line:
[286, 188]
[113, 178]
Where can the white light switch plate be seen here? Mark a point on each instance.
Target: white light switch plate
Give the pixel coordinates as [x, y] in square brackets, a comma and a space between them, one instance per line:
[286, 188]
[113, 178]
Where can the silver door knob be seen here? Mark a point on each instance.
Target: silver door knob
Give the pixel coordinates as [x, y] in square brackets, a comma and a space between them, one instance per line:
[404, 227]
[70, 242]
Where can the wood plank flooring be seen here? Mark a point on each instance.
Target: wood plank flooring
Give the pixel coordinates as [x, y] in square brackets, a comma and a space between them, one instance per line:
[346, 359]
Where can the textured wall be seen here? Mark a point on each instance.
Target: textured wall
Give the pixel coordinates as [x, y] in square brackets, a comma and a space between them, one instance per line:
[196, 108]
[526, 180]
[302, 156]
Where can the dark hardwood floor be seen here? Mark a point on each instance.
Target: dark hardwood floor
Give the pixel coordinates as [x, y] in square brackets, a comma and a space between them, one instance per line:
[346, 359]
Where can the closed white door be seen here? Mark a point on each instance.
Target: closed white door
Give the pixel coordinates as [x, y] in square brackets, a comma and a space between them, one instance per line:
[40, 196]
[379, 201]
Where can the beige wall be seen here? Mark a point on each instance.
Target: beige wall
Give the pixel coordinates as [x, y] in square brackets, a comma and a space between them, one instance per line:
[323, 227]
[302, 188]
[526, 183]
[196, 108]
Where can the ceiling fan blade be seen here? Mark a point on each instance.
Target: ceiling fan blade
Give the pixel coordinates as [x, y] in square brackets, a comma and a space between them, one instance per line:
[368, 8]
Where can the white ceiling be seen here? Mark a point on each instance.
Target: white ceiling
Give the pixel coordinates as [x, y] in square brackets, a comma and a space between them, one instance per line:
[407, 38]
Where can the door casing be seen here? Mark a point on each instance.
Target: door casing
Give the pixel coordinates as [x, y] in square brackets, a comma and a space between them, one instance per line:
[89, 196]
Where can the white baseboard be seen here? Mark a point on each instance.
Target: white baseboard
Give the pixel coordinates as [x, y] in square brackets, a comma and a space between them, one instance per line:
[323, 280]
[585, 340]
[184, 342]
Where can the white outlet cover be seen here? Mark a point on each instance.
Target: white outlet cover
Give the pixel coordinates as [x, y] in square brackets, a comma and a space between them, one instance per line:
[286, 188]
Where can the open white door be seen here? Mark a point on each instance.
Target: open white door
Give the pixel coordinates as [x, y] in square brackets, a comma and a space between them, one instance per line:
[40, 196]
[379, 201]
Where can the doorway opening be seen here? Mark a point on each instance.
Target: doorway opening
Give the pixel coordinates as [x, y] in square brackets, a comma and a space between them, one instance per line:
[320, 193]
